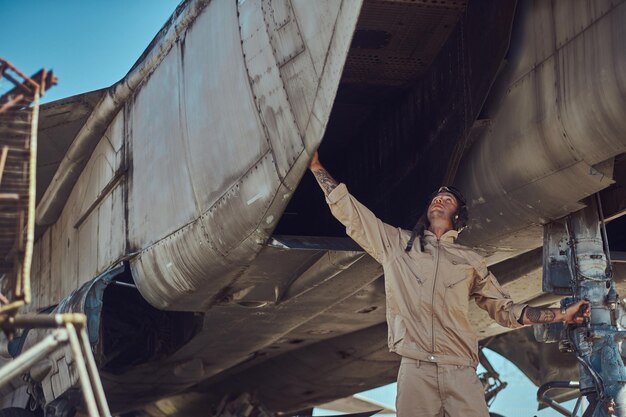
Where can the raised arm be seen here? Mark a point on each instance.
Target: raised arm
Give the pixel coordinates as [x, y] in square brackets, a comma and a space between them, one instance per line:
[324, 179]
[375, 237]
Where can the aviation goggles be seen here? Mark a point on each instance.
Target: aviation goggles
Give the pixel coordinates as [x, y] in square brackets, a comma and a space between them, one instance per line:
[452, 190]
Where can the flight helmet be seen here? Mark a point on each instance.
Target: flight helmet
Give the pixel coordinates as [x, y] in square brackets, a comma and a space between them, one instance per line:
[459, 218]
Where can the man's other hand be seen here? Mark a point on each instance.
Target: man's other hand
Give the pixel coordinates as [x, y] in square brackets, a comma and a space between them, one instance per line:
[577, 313]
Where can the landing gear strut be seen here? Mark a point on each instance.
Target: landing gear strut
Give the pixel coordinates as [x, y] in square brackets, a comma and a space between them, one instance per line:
[577, 264]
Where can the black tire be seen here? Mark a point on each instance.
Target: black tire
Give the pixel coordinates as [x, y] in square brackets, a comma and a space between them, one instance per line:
[16, 412]
[495, 415]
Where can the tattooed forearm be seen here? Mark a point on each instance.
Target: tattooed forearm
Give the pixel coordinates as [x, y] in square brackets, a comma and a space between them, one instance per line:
[540, 315]
[324, 179]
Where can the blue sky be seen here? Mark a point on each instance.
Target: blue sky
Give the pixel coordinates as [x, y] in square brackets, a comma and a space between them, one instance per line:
[91, 44]
[516, 400]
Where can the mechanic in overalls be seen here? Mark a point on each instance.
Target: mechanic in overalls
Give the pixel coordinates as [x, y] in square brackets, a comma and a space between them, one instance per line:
[428, 287]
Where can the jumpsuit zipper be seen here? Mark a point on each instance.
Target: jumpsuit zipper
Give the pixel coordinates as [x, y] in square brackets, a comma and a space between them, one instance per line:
[432, 300]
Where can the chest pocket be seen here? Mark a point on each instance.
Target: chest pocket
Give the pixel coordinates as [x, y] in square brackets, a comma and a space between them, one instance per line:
[457, 272]
[419, 266]
[458, 281]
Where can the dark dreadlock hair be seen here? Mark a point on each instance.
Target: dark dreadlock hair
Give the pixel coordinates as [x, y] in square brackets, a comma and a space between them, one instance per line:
[459, 219]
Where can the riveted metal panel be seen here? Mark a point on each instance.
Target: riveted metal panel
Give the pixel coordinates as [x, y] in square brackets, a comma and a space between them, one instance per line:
[301, 85]
[63, 257]
[335, 65]
[89, 235]
[283, 29]
[115, 136]
[296, 66]
[536, 34]
[315, 22]
[192, 266]
[238, 212]
[94, 183]
[112, 229]
[537, 115]
[161, 198]
[294, 99]
[182, 271]
[267, 86]
[222, 136]
[575, 16]
[87, 249]
[59, 122]
[56, 245]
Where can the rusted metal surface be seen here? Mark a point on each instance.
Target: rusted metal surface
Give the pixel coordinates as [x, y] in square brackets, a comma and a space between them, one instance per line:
[25, 88]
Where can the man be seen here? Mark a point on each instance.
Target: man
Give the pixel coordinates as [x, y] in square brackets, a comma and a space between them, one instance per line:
[428, 287]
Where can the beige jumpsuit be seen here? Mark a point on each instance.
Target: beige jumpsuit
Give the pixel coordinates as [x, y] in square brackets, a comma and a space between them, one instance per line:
[427, 297]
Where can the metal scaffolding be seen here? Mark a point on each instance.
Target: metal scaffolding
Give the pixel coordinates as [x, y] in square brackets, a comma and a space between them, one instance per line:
[19, 112]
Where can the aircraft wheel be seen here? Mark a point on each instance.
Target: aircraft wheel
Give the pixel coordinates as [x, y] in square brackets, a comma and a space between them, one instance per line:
[16, 412]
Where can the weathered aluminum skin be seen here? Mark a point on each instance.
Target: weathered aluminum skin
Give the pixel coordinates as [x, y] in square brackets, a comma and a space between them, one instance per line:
[555, 126]
[214, 165]
[59, 122]
[53, 201]
[89, 235]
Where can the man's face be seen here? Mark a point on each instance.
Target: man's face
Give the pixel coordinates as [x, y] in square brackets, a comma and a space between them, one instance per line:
[444, 205]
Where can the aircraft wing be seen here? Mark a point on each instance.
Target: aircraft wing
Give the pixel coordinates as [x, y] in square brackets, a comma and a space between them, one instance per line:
[59, 122]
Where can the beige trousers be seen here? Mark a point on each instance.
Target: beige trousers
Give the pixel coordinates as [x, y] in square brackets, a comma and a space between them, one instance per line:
[427, 389]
